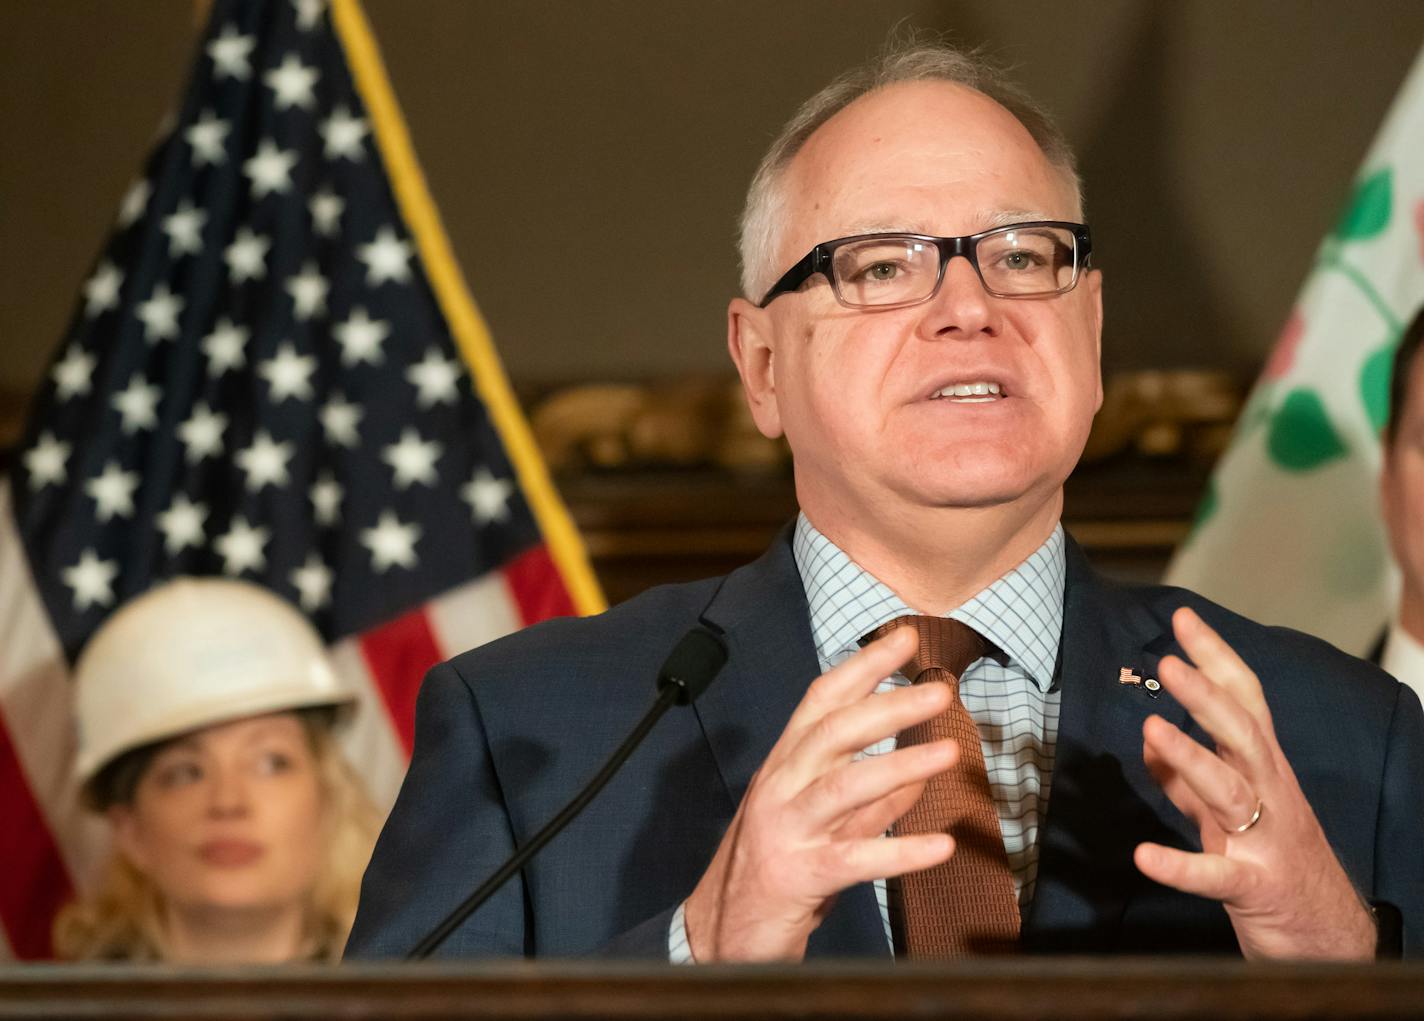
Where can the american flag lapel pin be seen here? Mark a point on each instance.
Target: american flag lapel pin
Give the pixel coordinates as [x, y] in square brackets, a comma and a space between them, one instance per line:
[1126, 675]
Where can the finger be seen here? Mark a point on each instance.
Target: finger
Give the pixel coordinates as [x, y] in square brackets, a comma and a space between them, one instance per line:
[1205, 875]
[1237, 734]
[834, 795]
[1176, 789]
[843, 733]
[877, 817]
[1216, 790]
[833, 867]
[1220, 663]
[852, 680]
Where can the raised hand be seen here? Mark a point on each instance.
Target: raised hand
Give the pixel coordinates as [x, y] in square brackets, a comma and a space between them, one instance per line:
[813, 820]
[1264, 855]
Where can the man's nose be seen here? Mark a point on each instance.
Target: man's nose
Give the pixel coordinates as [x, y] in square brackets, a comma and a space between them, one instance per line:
[961, 307]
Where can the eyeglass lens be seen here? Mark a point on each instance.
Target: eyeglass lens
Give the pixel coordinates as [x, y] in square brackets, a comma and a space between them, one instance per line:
[1014, 261]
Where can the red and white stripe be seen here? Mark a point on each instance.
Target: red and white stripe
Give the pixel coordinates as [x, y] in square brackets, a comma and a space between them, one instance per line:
[49, 845]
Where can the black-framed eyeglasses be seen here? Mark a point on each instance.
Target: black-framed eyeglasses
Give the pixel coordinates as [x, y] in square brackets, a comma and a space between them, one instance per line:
[1022, 260]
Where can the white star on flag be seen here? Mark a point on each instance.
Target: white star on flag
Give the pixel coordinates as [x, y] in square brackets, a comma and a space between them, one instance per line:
[113, 491]
[360, 338]
[185, 229]
[159, 314]
[135, 202]
[391, 542]
[342, 134]
[313, 580]
[45, 461]
[202, 433]
[386, 258]
[92, 580]
[339, 420]
[308, 13]
[241, 547]
[288, 374]
[308, 290]
[292, 83]
[434, 377]
[74, 373]
[413, 459]
[101, 291]
[182, 524]
[229, 53]
[225, 347]
[487, 496]
[326, 208]
[246, 257]
[270, 170]
[326, 494]
[137, 405]
[265, 462]
[206, 136]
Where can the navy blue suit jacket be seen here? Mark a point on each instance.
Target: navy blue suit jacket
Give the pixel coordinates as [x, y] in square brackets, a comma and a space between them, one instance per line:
[507, 733]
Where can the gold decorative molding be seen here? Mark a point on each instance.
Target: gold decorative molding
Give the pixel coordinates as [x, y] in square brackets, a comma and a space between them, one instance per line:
[1165, 413]
[680, 423]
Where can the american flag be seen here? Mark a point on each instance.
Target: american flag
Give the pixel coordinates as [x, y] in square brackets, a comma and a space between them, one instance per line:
[273, 373]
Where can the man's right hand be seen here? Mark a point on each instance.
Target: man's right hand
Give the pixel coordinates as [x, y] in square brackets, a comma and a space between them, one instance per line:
[813, 820]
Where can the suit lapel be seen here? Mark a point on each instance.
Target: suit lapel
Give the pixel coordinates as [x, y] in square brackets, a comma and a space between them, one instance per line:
[762, 613]
[1102, 801]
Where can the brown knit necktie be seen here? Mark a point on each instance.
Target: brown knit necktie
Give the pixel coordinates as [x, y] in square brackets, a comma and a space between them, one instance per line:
[966, 905]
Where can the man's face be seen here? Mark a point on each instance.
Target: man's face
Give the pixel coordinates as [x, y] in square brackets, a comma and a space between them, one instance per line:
[854, 391]
[1402, 485]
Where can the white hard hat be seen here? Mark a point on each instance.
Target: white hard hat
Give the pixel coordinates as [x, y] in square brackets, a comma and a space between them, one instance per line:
[190, 653]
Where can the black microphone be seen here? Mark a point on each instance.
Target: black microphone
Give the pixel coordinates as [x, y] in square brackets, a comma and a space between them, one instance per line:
[696, 659]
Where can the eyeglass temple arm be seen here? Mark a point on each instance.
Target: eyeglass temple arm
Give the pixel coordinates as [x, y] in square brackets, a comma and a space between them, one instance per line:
[815, 261]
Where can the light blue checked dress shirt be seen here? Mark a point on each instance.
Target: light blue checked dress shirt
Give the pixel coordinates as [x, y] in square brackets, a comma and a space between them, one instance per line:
[1009, 693]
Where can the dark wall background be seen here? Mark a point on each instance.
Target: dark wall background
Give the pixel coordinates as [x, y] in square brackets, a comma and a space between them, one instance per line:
[1218, 138]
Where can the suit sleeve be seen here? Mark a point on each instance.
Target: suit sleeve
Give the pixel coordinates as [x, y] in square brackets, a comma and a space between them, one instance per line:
[1399, 835]
[650, 941]
[448, 831]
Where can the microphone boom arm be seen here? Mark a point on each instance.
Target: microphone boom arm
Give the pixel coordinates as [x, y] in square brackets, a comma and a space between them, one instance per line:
[693, 663]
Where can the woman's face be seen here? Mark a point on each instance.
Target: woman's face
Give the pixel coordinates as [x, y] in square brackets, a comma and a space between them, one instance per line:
[228, 817]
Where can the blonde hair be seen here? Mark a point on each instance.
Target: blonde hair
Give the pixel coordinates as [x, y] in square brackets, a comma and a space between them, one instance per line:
[123, 919]
[909, 59]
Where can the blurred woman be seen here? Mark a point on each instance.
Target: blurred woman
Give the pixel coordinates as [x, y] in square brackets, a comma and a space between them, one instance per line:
[206, 712]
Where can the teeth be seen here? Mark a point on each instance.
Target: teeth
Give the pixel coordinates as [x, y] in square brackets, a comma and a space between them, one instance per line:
[978, 388]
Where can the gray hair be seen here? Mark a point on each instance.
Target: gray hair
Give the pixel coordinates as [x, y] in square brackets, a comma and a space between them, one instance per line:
[761, 221]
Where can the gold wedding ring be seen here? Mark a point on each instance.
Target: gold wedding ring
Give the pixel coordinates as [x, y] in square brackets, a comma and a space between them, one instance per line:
[1255, 818]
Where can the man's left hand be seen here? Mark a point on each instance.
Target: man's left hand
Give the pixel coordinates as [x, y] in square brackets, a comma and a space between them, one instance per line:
[1282, 886]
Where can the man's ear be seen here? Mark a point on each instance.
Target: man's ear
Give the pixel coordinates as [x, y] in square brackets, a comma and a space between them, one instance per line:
[750, 341]
[124, 826]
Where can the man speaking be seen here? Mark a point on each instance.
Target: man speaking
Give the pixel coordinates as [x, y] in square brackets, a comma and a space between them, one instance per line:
[939, 732]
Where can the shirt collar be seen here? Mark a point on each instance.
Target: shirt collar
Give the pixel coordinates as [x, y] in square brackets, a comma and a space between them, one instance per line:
[1021, 613]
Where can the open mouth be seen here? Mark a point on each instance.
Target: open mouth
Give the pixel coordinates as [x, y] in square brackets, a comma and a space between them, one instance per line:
[970, 392]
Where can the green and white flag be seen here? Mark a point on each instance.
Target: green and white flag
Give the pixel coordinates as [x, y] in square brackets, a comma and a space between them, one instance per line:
[1289, 530]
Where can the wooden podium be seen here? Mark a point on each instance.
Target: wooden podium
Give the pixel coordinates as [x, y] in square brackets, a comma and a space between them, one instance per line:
[1159, 989]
